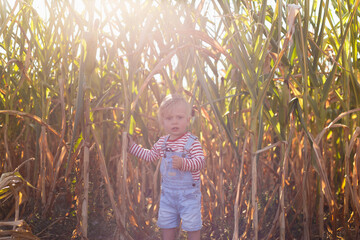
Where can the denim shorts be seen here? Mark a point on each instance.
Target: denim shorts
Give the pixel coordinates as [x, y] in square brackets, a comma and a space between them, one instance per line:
[180, 205]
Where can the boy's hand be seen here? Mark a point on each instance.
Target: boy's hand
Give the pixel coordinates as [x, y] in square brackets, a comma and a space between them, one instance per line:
[130, 141]
[177, 162]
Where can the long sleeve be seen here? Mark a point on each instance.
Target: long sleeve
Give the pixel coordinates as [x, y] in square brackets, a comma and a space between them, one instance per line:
[146, 154]
[197, 159]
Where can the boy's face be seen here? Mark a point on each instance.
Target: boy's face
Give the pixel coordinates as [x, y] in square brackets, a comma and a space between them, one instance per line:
[176, 120]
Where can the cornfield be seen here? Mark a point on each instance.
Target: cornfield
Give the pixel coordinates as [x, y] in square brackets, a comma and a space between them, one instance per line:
[275, 92]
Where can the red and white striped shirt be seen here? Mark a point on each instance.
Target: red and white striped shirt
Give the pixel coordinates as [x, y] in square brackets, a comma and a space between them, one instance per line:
[193, 164]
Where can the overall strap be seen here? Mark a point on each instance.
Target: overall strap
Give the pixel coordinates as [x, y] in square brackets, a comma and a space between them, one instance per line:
[163, 147]
[189, 143]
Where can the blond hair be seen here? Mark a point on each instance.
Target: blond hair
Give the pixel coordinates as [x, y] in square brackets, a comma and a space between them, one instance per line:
[171, 100]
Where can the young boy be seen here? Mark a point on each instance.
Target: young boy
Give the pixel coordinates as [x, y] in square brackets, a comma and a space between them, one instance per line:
[182, 159]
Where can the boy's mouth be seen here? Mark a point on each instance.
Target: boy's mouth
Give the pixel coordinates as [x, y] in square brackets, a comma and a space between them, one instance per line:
[174, 128]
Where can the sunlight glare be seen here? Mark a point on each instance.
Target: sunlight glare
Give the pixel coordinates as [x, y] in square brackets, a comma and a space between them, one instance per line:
[41, 7]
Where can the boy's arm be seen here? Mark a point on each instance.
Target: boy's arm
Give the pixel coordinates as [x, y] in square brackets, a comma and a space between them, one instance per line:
[197, 159]
[145, 154]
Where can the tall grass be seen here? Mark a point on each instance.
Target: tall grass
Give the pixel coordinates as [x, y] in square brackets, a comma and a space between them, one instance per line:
[275, 97]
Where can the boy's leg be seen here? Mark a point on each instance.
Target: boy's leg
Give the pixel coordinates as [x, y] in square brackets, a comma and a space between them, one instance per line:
[168, 233]
[194, 235]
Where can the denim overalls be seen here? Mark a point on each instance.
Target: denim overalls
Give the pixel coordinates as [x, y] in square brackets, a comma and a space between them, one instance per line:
[180, 194]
